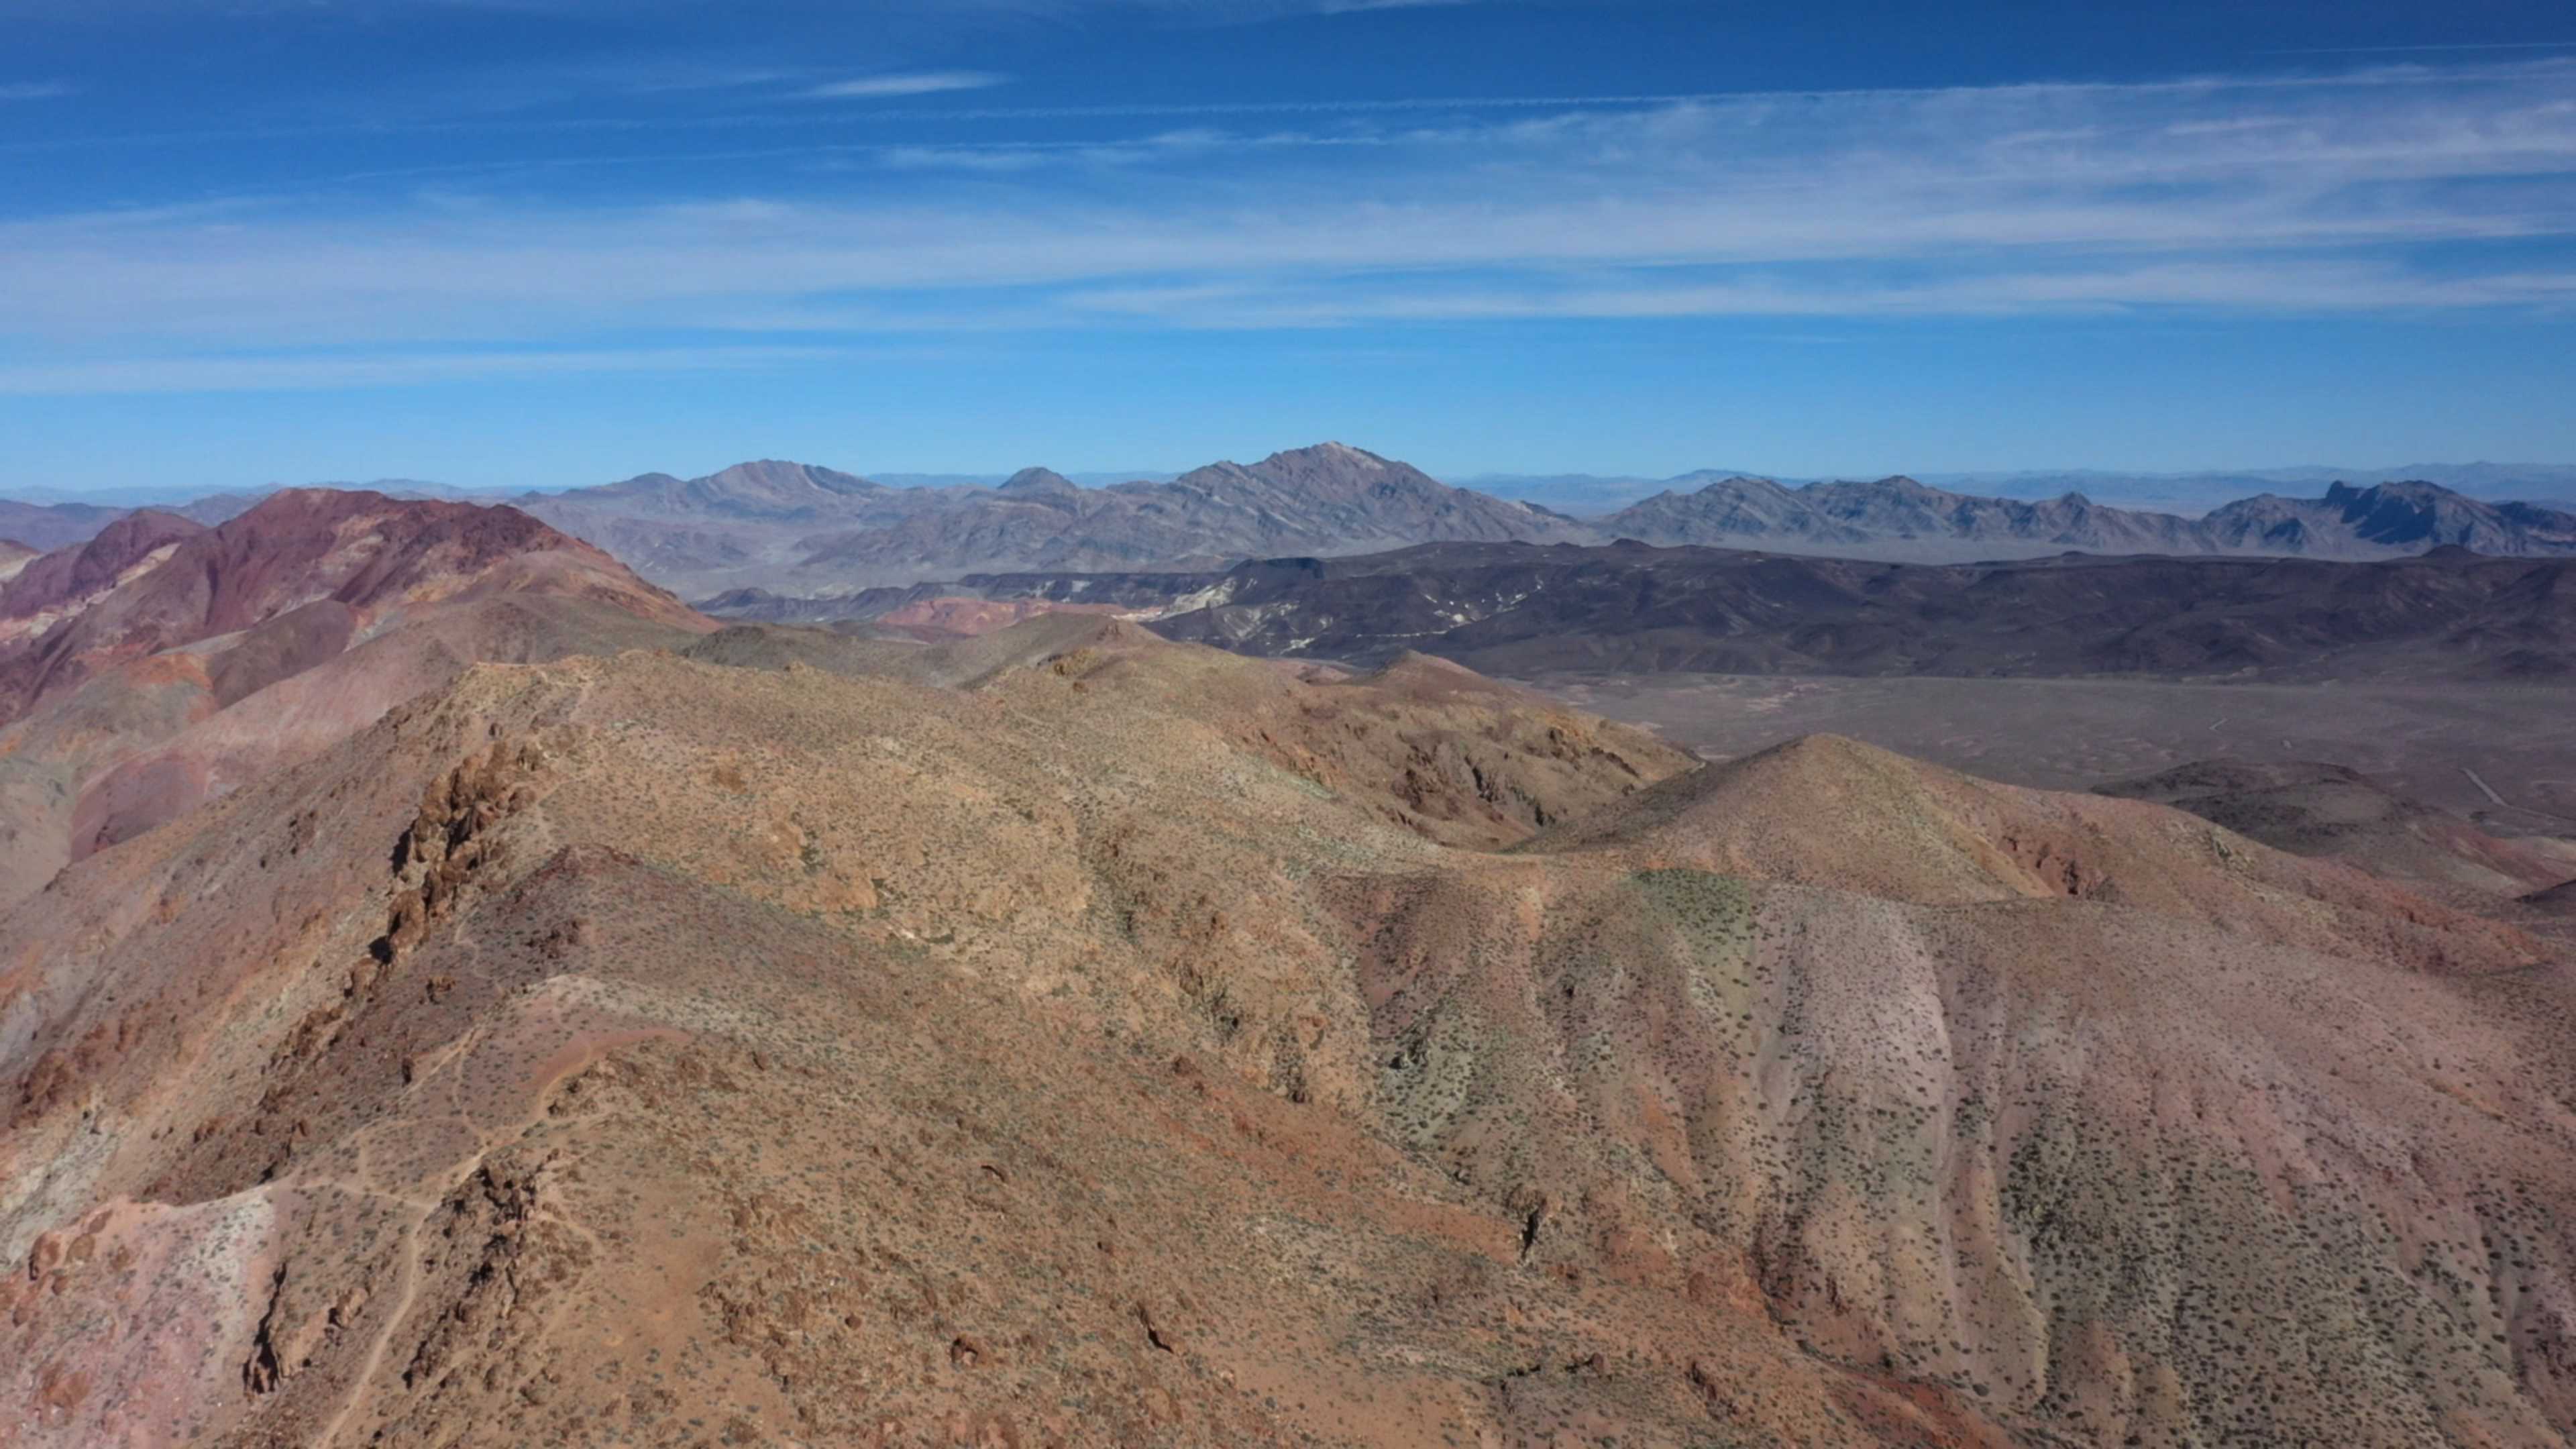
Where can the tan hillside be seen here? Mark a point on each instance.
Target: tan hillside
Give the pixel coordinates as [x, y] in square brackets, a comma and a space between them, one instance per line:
[1142, 1045]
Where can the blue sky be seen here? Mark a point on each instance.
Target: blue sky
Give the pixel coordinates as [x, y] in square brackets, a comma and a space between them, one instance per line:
[544, 242]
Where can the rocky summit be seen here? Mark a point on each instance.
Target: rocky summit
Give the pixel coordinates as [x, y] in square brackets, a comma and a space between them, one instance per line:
[163, 662]
[1065, 1035]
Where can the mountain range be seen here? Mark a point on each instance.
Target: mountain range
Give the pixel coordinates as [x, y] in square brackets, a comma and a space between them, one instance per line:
[1903, 518]
[2190, 494]
[797, 529]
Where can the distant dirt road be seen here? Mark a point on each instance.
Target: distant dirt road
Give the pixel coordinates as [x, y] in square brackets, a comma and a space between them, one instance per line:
[2480, 781]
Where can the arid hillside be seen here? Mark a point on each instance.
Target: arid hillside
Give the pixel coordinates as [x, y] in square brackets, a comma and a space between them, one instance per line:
[1067, 1036]
[163, 662]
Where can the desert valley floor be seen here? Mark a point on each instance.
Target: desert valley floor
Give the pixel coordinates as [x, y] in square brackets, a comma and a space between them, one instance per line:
[2435, 743]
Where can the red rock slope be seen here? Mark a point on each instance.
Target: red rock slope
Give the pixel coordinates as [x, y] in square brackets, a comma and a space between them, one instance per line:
[162, 662]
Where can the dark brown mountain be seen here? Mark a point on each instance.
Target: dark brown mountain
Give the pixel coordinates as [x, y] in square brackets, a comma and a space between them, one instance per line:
[1519, 609]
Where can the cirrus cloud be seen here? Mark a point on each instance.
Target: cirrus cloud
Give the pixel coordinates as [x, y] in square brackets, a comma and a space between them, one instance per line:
[913, 83]
[2413, 189]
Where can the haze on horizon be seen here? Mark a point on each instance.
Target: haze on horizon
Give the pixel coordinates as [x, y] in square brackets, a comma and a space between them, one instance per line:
[558, 242]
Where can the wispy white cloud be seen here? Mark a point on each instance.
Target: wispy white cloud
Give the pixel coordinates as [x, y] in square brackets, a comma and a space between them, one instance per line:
[44, 90]
[2388, 189]
[913, 83]
[2306, 286]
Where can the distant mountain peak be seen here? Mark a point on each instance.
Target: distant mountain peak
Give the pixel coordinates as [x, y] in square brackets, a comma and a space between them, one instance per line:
[1038, 480]
[1330, 452]
[773, 473]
